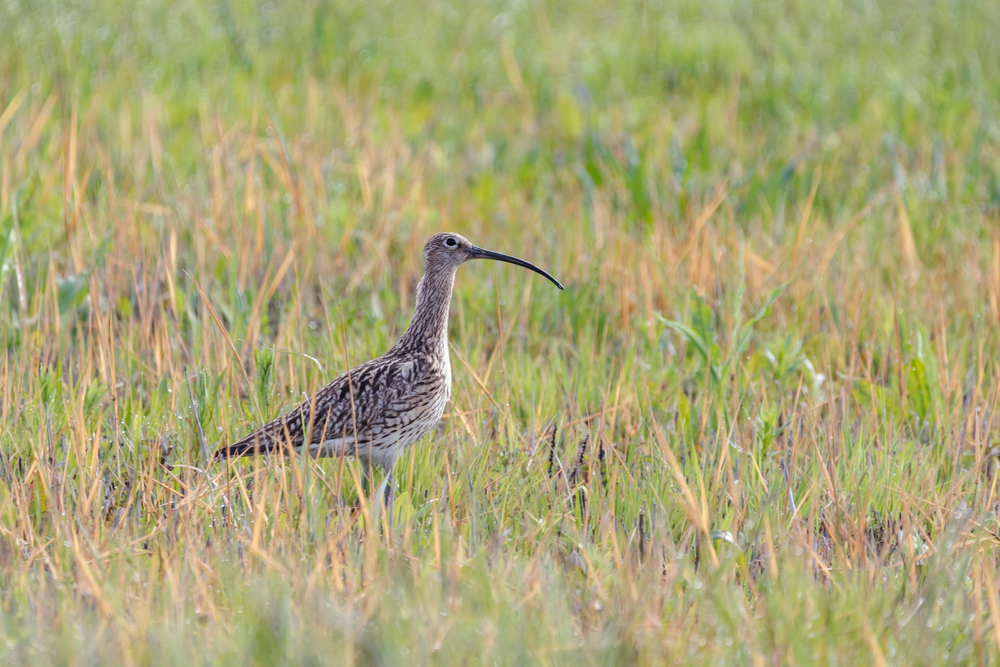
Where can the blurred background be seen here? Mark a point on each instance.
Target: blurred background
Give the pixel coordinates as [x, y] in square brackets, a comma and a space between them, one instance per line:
[779, 227]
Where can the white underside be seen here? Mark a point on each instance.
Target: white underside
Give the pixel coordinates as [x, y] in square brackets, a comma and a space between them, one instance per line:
[382, 455]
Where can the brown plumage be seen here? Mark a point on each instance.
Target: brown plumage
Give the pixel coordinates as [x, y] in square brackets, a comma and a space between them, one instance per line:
[381, 407]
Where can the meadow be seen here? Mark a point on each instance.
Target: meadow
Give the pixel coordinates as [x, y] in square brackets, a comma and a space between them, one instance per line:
[759, 426]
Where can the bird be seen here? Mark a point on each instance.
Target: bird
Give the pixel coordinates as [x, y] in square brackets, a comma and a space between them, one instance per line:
[378, 409]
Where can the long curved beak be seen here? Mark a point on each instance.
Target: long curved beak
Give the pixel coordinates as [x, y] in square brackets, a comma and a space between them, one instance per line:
[482, 253]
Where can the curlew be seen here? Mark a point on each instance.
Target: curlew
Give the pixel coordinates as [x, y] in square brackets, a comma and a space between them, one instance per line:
[380, 408]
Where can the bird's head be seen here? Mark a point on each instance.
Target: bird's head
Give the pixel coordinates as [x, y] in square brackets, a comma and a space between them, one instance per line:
[449, 250]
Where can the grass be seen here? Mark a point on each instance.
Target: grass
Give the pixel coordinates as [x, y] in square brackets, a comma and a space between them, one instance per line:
[758, 427]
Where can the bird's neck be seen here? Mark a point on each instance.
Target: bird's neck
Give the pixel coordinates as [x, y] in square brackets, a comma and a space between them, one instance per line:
[428, 329]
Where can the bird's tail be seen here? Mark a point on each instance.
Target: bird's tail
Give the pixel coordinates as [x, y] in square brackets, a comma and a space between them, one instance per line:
[253, 444]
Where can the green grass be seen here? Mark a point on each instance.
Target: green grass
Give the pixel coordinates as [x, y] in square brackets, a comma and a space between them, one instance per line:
[759, 426]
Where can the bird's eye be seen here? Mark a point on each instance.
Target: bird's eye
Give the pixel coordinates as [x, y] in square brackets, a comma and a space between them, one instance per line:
[450, 242]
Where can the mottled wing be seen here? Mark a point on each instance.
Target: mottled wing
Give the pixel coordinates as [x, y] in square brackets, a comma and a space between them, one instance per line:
[358, 402]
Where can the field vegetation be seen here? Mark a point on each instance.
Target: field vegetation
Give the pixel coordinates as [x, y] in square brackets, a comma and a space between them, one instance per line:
[759, 426]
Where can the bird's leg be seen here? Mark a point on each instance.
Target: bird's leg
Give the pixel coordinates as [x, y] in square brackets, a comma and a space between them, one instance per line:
[389, 488]
[382, 499]
[366, 481]
[387, 497]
